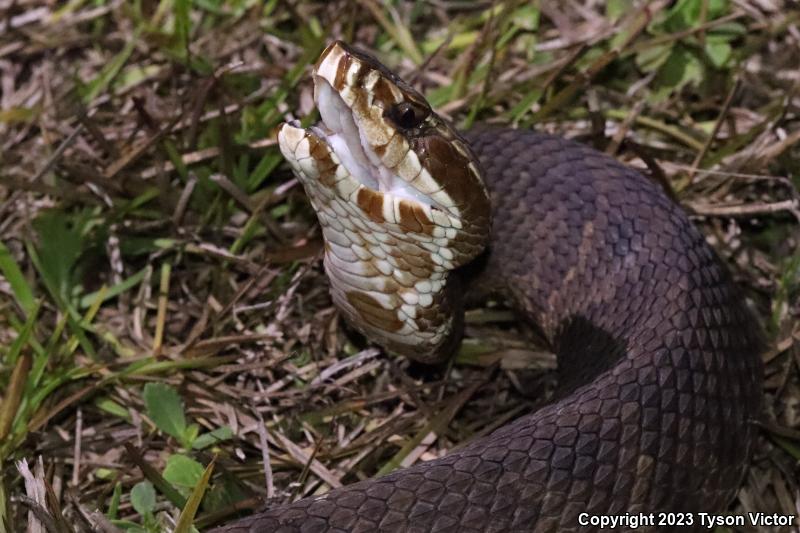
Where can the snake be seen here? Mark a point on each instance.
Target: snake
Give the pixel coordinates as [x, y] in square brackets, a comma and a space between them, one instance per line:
[658, 355]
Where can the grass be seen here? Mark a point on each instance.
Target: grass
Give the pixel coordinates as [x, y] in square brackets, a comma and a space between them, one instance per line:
[169, 355]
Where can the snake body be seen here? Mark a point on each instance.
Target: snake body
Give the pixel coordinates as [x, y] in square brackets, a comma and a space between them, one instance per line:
[658, 355]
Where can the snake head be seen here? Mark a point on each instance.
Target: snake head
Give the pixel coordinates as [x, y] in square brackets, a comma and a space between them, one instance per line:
[400, 198]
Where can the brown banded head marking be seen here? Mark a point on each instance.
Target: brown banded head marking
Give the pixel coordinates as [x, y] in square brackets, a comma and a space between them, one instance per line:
[399, 195]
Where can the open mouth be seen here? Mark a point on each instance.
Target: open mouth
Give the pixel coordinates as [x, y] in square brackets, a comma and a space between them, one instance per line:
[346, 137]
[340, 131]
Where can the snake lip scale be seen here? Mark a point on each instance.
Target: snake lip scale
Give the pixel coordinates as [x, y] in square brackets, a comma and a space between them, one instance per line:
[658, 355]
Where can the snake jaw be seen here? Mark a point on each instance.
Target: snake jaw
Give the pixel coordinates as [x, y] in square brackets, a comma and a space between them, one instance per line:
[399, 208]
[349, 138]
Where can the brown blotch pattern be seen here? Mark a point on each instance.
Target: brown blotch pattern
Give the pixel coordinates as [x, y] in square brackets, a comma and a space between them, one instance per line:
[452, 171]
[372, 313]
[407, 220]
[371, 202]
[448, 166]
[360, 104]
[422, 218]
[383, 93]
[341, 72]
[361, 74]
[325, 163]
[380, 149]
[414, 219]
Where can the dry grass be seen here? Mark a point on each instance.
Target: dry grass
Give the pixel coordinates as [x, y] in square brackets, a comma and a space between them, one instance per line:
[149, 233]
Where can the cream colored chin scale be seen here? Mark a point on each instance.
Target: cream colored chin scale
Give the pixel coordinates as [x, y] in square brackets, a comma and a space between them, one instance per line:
[399, 197]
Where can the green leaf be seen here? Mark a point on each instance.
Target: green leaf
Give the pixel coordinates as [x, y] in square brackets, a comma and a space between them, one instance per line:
[189, 511]
[686, 14]
[183, 471]
[16, 279]
[143, 497]
[616, 8]
[718, 53]
[113, 408]
[267, 164]
[526, 17]
[131, 246]
[212, 437]
[113, 505]
[189, 435]
[728, 31]
[652, 58]
[60, 245]
[23, 338]
[223, 494]
[791, 447]
[109, 72]
[182, 23]
[717, 8]
[165, 409]
[134, 75]
[116, 290]
[681, 68]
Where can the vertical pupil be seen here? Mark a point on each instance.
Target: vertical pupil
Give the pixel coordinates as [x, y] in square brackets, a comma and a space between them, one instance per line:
[407, 117]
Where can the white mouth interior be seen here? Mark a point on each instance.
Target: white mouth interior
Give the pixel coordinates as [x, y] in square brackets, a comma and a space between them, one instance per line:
[347, 140]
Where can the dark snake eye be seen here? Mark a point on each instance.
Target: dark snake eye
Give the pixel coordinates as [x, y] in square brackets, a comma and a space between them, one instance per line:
[407, 115]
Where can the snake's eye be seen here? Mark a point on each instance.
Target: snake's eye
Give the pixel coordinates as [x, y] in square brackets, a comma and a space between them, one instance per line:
[408, 115]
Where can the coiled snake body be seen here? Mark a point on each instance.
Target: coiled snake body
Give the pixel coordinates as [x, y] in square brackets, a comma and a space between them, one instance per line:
[658, 355]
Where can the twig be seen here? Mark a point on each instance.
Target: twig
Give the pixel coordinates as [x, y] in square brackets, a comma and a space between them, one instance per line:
[231, 188]
[183, 200]
[57, 154]
[264, 442]
[76, 452]
[746, 210]
[710, 139]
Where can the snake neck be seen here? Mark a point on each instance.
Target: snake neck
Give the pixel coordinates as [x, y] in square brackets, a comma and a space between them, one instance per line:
[394, 287]
[390, 259]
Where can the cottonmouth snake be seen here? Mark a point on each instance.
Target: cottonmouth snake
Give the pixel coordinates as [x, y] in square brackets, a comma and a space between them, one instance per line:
[658, 355]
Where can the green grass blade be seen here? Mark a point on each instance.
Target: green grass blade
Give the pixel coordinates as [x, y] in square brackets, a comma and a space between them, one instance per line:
[113, 291]
[16, 279]
[189, 511]
[107, 75]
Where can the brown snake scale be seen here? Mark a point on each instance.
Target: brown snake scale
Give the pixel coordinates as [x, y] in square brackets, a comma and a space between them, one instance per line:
[658, 360]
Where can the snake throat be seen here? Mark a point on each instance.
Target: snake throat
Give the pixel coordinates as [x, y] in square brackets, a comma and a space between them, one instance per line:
[399, 209]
